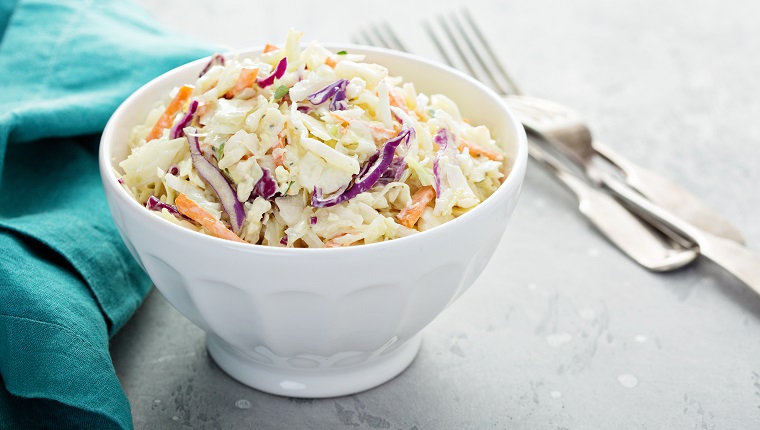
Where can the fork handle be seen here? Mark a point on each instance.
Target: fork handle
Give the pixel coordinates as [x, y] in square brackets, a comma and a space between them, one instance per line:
[672, 197]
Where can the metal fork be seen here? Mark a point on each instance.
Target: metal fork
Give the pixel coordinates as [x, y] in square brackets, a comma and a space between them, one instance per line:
[729, 254]
[568, 131]
[627, 232]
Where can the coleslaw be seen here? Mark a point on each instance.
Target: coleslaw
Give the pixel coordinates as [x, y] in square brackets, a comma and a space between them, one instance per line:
[304, 147]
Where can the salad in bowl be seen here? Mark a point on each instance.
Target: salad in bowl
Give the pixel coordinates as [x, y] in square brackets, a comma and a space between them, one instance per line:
[308, 148]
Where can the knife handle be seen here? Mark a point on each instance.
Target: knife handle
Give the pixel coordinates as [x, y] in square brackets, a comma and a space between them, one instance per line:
[623, 229]
[732, 256]
[670, 196]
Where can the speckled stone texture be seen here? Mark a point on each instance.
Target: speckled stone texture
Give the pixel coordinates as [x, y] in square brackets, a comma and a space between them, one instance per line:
[561, 331]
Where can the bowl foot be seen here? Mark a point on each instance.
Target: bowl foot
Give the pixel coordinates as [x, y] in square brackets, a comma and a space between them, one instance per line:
[312, 383]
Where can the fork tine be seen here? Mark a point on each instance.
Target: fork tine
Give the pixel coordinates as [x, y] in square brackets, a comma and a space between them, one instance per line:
[499, 65]
[380, 37]
[479, 58]
[362, 37]
[437, 43]
[395, 41]
[455, 43]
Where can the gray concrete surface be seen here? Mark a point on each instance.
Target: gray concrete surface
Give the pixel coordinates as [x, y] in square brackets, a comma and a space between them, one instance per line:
[561, 331]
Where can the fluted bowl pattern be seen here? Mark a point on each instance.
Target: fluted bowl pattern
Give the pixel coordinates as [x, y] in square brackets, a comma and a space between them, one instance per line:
[317, 322]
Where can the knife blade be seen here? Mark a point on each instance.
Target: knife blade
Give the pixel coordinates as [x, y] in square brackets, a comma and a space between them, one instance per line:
[674, 198]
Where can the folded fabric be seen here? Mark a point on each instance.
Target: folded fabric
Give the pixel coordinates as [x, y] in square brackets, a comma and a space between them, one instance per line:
[67, 282]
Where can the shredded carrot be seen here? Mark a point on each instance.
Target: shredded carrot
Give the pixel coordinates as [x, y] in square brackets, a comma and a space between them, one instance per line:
[376, 130]
[166, 119]
[479, 150]
[203, 109]
[279, 155]
[190, 209]
[338, 114]
[396, 99]
[270, 48]
[330, 62]
[412, 213]
[381, 132]
[246, 79]
[335, 243]
[332, 242]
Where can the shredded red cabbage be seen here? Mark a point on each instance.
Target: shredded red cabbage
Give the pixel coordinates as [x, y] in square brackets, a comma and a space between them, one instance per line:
[279, 72]
[174, 170]
[393, 172]
[284, 240]
[217, 180]
[443, 138]
[216, 59]
[313, 220]
[325, 93]
[404, 124]
[178, 130]
[400, 167]
[336, 91]
[266, 187]
[412, 136]
[367, 177]
[339, 100]
[155, 204]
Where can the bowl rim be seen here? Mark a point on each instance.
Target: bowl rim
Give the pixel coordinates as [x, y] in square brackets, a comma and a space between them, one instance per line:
[511, 183]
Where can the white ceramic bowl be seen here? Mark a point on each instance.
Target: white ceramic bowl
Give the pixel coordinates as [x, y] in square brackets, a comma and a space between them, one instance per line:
[318, 322]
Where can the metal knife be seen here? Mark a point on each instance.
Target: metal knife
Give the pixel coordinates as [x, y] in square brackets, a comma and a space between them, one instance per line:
[734, 257]
[632, 236]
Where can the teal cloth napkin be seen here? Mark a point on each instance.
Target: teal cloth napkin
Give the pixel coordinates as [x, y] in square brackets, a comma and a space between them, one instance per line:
[67, 282]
